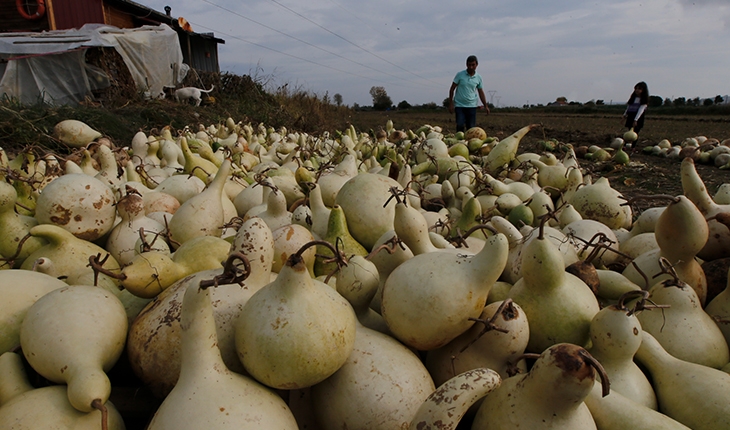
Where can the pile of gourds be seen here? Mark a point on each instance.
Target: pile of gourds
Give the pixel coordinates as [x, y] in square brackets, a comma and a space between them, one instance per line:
[262, 278]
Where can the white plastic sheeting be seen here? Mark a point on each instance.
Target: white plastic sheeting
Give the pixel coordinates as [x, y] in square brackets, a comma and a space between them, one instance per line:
[50, 66]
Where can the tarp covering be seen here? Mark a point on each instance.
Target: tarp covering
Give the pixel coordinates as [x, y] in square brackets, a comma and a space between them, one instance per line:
[50, 66]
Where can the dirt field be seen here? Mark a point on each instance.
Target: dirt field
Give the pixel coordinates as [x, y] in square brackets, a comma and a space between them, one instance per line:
[647, 174]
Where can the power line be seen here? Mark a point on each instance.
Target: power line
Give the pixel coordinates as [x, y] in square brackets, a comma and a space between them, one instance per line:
[298, 40]
[353, 43]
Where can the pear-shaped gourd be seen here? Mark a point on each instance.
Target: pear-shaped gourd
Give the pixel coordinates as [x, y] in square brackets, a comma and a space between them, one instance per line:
[15, 227]
[182, 187]
[602, 203]
[431, 298]
[338, 234]
[153, 343]
[496, 342]
[331, 183]
[75, 133]
[195, 164]
[684, 330]
[412, 228]
[693, 394]
[718, 242]
[274, 211]
[506, 150]
[386, 262]
[320, 212]
[149, 273]
[618, 412]
[70, 257]
[356, 397]
[48, 408]
[72, 319]
[80, 204]
[202, 215]
[550, 396]
[295, 331]
[208, 394]
[680, 231]
[447, 405]
[559, 306]
[358, 282]
[19, 289]
[122, 238]
[288, 239]
[362, 199]
[616, 336]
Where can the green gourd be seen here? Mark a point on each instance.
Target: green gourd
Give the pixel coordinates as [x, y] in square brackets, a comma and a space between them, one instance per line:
[559, 306]
[15, 227]
[693, 394]
[338, 234]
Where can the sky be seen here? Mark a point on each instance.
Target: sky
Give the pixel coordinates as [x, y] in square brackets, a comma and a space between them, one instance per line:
[530, 52]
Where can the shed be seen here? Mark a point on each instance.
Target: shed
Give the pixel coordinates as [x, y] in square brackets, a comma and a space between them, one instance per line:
[199, 50]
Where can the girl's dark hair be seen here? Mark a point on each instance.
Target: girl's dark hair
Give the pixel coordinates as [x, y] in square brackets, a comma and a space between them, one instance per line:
[644, 93]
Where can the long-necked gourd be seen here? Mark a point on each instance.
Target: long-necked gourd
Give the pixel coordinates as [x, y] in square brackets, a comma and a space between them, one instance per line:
[208, 394]
[690, 393]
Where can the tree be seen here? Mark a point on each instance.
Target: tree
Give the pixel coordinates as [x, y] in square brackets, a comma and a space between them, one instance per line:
[446, 102]
[338, 99]
[707, 102]
[719, 100]
[381, 100]
[655, 101]
[667, 101]
[404, 105]
[680, 101]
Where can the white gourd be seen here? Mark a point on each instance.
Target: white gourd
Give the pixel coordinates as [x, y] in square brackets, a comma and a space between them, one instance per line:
[72, 319]
[208, 394]
[413, 303]
[48, 408]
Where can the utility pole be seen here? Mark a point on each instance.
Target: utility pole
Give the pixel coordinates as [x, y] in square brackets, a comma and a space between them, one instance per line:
[491, 96]
[498, 97]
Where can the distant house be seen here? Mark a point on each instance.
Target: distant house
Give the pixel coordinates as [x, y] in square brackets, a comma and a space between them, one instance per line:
[199, 50]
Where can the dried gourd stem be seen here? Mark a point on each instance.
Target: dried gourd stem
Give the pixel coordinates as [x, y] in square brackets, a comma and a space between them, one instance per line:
[97, 404]
[388, 246]
[11, 260]
[232, 274]
[482, 227]
[604, 244]
[512, 368]
[489, 325]
[335, 251]
[591, 361]
[97, 266]
[642, 304]
[668, 269]
[398, 194]
[621, 303]
[235, 222]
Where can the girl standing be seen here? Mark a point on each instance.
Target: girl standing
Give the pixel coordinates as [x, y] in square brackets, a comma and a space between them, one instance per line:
[636, 107]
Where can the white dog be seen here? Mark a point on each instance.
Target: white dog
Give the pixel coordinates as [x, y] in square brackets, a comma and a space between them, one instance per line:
[187, 93]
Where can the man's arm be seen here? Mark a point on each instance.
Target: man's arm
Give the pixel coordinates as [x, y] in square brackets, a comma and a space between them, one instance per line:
[451, 96]
[483, 99]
